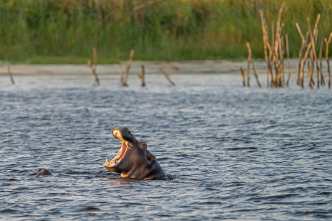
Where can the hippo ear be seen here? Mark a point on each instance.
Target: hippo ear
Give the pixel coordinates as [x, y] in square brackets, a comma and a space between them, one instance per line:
[142, 145]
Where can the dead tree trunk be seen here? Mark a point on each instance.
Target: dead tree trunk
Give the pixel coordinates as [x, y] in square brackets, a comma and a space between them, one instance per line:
[10, 74]
[124, 83]
[142, 76]
[250, 61]
[121, 74]
[94, 67]
[166, 76]
[243, 77]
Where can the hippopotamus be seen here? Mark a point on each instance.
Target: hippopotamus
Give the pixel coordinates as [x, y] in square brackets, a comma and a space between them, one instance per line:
[42, 172]
[133, 159]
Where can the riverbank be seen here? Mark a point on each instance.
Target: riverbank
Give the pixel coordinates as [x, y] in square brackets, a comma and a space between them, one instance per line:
[190, 67]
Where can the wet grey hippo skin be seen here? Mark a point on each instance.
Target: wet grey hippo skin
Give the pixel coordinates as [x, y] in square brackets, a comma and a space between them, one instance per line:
[133, 159]
[42, 172]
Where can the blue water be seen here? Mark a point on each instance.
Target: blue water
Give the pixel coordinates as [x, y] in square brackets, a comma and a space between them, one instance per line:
[235, 153]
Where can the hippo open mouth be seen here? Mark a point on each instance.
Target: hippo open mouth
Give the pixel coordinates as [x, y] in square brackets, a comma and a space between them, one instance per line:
[118, 157]
[133, 160]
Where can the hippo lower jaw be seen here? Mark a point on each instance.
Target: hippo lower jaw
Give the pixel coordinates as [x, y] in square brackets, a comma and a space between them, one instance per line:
[111, 164]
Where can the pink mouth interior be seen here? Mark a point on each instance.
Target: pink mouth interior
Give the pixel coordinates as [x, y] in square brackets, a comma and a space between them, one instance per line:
[120, 154]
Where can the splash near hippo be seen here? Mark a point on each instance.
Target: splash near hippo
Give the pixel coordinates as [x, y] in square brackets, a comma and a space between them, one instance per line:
[133, 159]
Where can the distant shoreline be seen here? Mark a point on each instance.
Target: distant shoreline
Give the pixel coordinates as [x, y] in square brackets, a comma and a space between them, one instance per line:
[190, 67]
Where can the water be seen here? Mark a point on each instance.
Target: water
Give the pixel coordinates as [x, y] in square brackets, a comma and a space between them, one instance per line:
[235, 153]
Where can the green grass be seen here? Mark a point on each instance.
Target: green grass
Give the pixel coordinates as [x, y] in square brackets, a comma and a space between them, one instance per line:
[65, 31]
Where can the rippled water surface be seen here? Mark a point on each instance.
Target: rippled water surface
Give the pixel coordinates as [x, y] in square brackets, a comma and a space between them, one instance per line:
[235, 153]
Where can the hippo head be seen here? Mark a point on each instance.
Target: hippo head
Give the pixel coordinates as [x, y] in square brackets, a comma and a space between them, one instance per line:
[133, 159]
[42, 172]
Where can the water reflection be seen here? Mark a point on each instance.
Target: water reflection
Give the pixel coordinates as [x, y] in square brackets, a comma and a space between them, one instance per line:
[119, 181]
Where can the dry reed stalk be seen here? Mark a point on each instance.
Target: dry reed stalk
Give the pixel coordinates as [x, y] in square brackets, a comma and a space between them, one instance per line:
[327, 42]
[94, 67]
[266, 44]
[10, 74]
[272, 28]
[94, 51]
[309, 48]
[315, 31]
[124, 83]
[279, 25]
[142, 76]
[268, 58]
[272, 56]
[243, 77]
[302, 65]
[299, 77]
[256, 76]
[279, 28]
[250, 60]
[278, 62]
[275, 49]
[248, 65]
[288, 63]
[281, 63]
[311, 69]
[277, 53]
[313, 51]
[166, 76]
[93, 72]
[320, 63]
[121, 73]
[271, 68]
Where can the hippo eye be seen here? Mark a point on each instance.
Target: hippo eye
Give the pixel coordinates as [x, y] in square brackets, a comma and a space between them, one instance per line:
[143, 145]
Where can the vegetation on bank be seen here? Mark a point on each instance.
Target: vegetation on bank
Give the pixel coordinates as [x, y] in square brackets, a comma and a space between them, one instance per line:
[65, 31]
